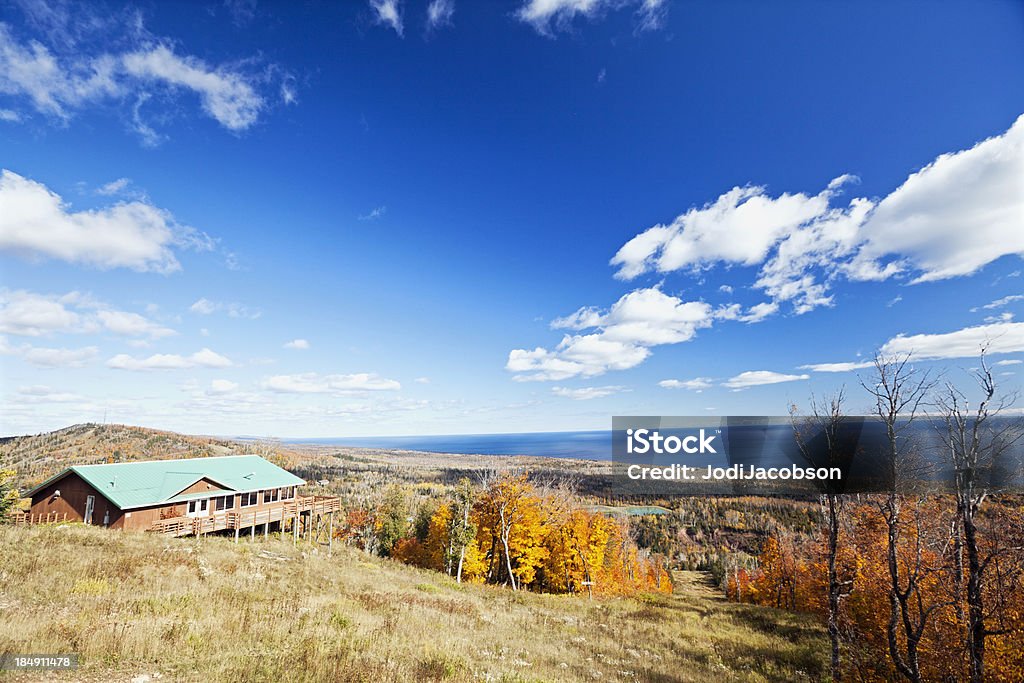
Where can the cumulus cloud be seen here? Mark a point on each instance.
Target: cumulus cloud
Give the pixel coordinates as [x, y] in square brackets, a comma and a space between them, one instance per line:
[49, 357]
[204, 358]
[65, 76]
[954, 216]
[621, 340]
[30, 314]
[132, 325]
[753, 378]
[314, 383]
[586, 393]
[1005, 337]
[547, 16]
[697, 384]
[297, 344]
[38, 224]
[389, 13]
[951, 218]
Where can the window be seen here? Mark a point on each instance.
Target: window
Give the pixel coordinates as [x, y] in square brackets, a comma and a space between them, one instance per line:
[287, 493]
[249, 499]
[198, 508]
[271, 495]
[224, 502]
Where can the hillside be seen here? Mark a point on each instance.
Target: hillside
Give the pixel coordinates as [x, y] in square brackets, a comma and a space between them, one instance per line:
[210, 610]
[38, 456]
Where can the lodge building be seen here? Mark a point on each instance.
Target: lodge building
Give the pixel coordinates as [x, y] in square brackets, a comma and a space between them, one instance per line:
[181, 497]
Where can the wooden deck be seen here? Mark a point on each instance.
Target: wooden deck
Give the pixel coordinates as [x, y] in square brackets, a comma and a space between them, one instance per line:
[246, 519]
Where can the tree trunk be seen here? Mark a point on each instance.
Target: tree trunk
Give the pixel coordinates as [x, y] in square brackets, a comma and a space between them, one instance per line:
[975, 599]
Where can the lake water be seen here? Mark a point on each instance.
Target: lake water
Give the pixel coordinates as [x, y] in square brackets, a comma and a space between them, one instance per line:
[592, 445]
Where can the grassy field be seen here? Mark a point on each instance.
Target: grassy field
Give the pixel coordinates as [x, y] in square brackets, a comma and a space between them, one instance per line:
[141, 607]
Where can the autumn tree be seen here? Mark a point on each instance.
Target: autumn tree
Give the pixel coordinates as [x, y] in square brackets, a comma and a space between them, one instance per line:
[898, 390]
[975, 440]
[8, 494]
[826, 422]
[392, 519]
[461, 531]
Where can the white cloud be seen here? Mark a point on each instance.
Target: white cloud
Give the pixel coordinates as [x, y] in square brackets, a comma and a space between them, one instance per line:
[759, 312]
[226, 96]
[9, 116]
[545, 15]
[298, 344]
[132, 325]
[37, 223]
[739, 227]
[204, 358]
[40, 393]
[697, 384]
[114, 187]
[638, 320]
[1009, 362]
[837, 367]
[313, 383]
[422, 380]
[999, 303]
[389, 13]
[586, 393]
[957, 214]
[439, 13]
[964, 343]
[59, 79]
[1003, 317]
[234, 310]
[32, 315]
[374, 214]
[753, 378]
[50, 358]
[222, 386]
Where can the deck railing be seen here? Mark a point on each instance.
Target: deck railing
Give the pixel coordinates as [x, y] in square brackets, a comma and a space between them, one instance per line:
[21, 517]
[238, 519]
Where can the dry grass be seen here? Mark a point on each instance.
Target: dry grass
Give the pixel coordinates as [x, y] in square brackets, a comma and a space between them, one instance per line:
[210, 610]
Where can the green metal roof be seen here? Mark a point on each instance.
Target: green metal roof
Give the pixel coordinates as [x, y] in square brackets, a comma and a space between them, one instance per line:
[152, 482]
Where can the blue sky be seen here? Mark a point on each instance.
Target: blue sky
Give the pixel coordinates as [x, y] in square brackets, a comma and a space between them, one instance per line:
[350, 219]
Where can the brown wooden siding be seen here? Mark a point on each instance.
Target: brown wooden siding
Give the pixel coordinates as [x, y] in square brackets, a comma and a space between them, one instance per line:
[74, 490]
[73, 494]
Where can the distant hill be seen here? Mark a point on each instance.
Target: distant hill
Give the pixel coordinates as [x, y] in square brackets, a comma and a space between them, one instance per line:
[38, 456]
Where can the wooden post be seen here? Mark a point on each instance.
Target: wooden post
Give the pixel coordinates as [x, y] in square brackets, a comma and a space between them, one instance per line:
[236, 532]
[266, 527]
[330, 533]
[295, 526]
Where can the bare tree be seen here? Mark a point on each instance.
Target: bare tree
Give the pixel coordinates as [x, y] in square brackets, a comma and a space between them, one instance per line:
[462, 531]
[975, 441]
[826, 421]
[899, 390]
